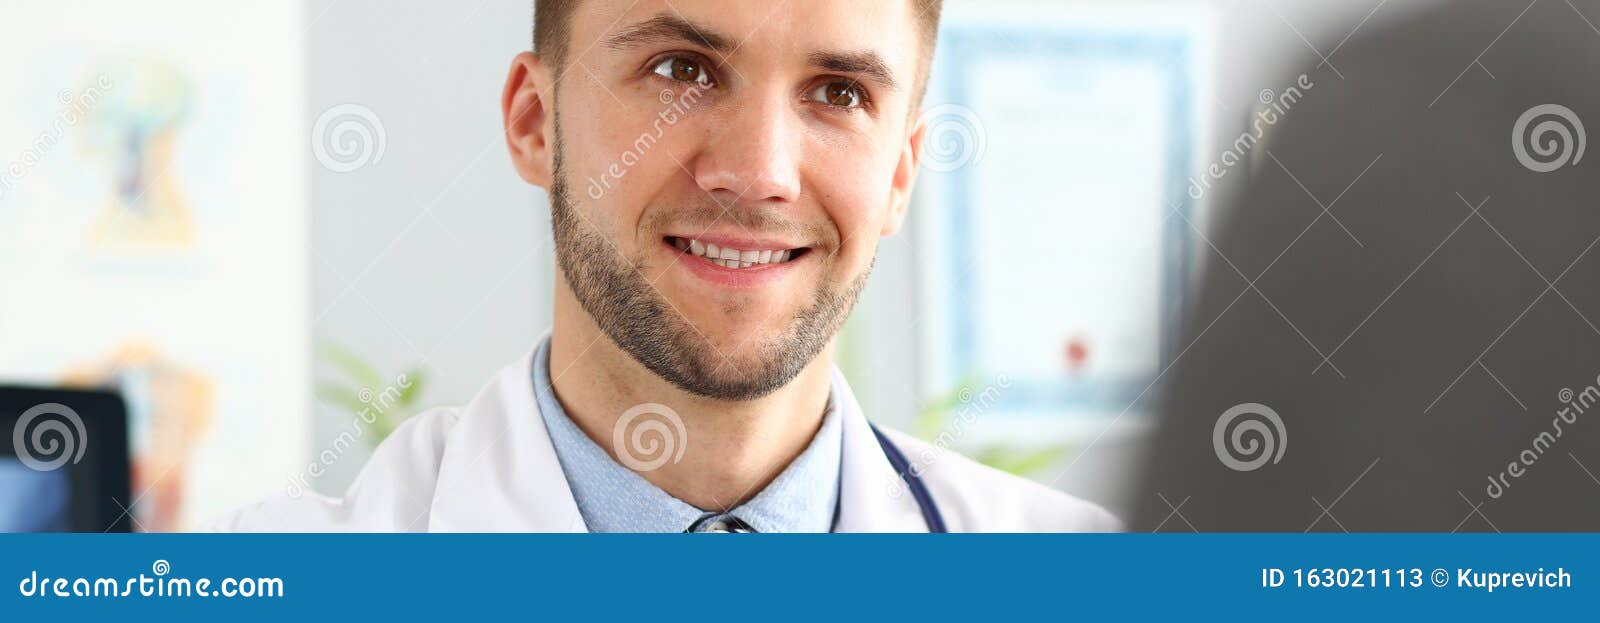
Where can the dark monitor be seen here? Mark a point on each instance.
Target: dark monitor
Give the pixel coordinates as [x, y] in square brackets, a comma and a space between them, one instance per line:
[63, 461]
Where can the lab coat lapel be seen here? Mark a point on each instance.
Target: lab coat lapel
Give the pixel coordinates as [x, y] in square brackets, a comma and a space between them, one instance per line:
[872, 496]
[499, 472]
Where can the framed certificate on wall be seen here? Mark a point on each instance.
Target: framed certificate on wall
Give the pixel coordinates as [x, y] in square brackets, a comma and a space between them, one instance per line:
[1053, 258]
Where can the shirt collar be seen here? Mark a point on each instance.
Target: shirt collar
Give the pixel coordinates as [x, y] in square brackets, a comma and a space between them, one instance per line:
[613, 498]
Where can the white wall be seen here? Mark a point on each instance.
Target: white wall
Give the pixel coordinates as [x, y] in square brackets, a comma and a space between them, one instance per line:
[437, 251]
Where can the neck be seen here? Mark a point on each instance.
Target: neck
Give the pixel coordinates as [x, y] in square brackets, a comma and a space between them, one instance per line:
[732, 449]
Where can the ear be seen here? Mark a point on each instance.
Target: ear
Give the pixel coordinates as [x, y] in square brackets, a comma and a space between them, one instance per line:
[905, 177]
[526, 105]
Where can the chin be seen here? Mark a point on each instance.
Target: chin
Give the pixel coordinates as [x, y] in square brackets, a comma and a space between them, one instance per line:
[732, 370]
[740, 329]
[744, 349]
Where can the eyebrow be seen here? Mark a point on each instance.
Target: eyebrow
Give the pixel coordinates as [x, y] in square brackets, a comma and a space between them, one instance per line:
[671, 27]
[868, 64]
[665, 27]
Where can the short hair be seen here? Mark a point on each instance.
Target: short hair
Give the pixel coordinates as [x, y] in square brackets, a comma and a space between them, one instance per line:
[552, 35]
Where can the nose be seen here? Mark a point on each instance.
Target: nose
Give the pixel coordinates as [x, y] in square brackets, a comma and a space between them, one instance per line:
[750, 156]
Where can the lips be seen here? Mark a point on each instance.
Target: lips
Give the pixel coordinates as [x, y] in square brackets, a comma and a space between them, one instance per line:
[728, 256]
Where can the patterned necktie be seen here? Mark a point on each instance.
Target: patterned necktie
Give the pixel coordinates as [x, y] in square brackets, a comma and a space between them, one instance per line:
[718, 522]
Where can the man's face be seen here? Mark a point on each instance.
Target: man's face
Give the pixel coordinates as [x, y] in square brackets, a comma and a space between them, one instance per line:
[723, 171]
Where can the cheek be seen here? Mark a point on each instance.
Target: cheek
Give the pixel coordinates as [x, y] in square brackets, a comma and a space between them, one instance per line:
[617, 162]
[856, 194]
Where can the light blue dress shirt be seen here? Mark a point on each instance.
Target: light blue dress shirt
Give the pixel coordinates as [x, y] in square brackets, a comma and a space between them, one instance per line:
[612, 498]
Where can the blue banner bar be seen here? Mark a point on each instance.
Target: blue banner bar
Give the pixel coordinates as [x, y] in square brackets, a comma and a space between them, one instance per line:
[536, 577]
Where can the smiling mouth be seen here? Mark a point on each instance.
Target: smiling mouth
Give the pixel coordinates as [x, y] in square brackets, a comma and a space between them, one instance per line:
[728, 257]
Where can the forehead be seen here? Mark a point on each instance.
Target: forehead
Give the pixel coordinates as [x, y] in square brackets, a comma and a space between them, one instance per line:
[766, 30]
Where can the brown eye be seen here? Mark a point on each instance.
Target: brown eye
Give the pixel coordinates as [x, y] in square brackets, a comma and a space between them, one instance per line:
[683, 70]
[839, 93]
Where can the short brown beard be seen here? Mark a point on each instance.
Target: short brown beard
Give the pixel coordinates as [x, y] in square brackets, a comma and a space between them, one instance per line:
[614, 292]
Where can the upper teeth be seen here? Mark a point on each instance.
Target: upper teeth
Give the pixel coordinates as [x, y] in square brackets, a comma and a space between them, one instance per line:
[730, 257]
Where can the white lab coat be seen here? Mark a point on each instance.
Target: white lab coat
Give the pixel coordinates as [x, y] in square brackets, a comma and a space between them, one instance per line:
[490, 467]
